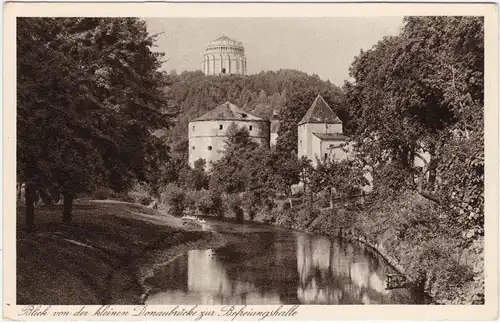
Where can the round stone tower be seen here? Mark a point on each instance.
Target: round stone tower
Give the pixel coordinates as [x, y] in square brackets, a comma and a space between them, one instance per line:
[224, 56]
[208, 133]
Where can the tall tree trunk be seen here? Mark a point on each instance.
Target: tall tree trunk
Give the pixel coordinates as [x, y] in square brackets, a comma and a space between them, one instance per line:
[289, 191]
[432, 175]
[30, 195]
[304, 193]
[420, 187]
[19, 191]
[331, 197]
[67, 206]
[311, 199]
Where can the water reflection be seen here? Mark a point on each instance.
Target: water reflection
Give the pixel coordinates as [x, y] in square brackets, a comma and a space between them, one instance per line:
[208, 282]
[338, 273]
[277, 268]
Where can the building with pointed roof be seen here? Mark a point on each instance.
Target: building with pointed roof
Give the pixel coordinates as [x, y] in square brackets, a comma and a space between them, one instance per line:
[320, 112]
[320, 133]
[228, 111]
[208, 133]
[224, 56]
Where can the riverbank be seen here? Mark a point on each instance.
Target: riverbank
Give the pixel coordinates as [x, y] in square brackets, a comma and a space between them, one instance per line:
[415, 237]
[102, 257]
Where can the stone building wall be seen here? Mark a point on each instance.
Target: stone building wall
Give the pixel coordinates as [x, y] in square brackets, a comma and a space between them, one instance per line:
[207, 139]
[306, 146]
[333, 148]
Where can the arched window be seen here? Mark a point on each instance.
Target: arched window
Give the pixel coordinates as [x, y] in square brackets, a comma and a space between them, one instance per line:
[209, 147]
[220, 127]
[193, 147]
[250, 128]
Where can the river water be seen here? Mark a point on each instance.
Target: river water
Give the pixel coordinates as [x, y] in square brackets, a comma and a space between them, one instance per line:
[264, 265]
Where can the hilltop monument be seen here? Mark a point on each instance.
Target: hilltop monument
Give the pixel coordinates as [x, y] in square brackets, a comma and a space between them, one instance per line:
[224, 56]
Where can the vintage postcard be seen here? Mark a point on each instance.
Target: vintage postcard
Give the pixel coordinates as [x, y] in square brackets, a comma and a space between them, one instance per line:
[250, 161]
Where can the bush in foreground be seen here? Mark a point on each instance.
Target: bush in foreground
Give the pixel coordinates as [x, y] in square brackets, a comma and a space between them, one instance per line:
[174, 198]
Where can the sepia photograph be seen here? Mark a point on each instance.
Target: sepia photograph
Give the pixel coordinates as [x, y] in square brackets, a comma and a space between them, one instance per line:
[249, 161]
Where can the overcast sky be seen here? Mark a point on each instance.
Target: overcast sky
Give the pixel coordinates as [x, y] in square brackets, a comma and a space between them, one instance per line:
[323, 46]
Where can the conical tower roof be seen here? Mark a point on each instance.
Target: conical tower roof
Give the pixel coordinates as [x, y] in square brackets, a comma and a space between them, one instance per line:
[320, 112]
[227, 111]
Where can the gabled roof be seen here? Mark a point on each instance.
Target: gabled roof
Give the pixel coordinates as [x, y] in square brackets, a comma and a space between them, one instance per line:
[320, 112]
[227, 111]
[331, 136]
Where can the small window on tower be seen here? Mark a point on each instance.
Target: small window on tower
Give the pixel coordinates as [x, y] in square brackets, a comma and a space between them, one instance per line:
[223, 70]
[250, 128]
[326, 155]
[193, 147]
[220, 127]
[193, 128]
[209, 147]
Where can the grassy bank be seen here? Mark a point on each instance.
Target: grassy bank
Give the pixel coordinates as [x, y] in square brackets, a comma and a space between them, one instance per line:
[100, 257]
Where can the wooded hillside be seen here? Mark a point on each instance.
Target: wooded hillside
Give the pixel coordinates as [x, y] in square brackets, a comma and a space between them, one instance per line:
[191, 94]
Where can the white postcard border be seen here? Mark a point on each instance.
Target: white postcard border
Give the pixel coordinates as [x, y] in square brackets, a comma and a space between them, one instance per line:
[488, 311]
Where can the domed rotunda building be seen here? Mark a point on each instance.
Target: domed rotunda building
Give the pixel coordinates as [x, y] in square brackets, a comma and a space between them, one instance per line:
[224, 56]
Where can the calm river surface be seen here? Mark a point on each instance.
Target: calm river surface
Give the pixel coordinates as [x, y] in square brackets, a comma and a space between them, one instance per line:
[267, 265]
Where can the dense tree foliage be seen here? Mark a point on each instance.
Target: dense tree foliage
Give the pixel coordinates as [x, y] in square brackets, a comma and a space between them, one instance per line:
[194, 178]
[421, 94]
[417, 124]
[90, 88]
[232, 174]
[342, 178]
[256, 172]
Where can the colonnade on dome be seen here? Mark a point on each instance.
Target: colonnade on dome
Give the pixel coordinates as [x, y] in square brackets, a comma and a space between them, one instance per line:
[224, 56]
